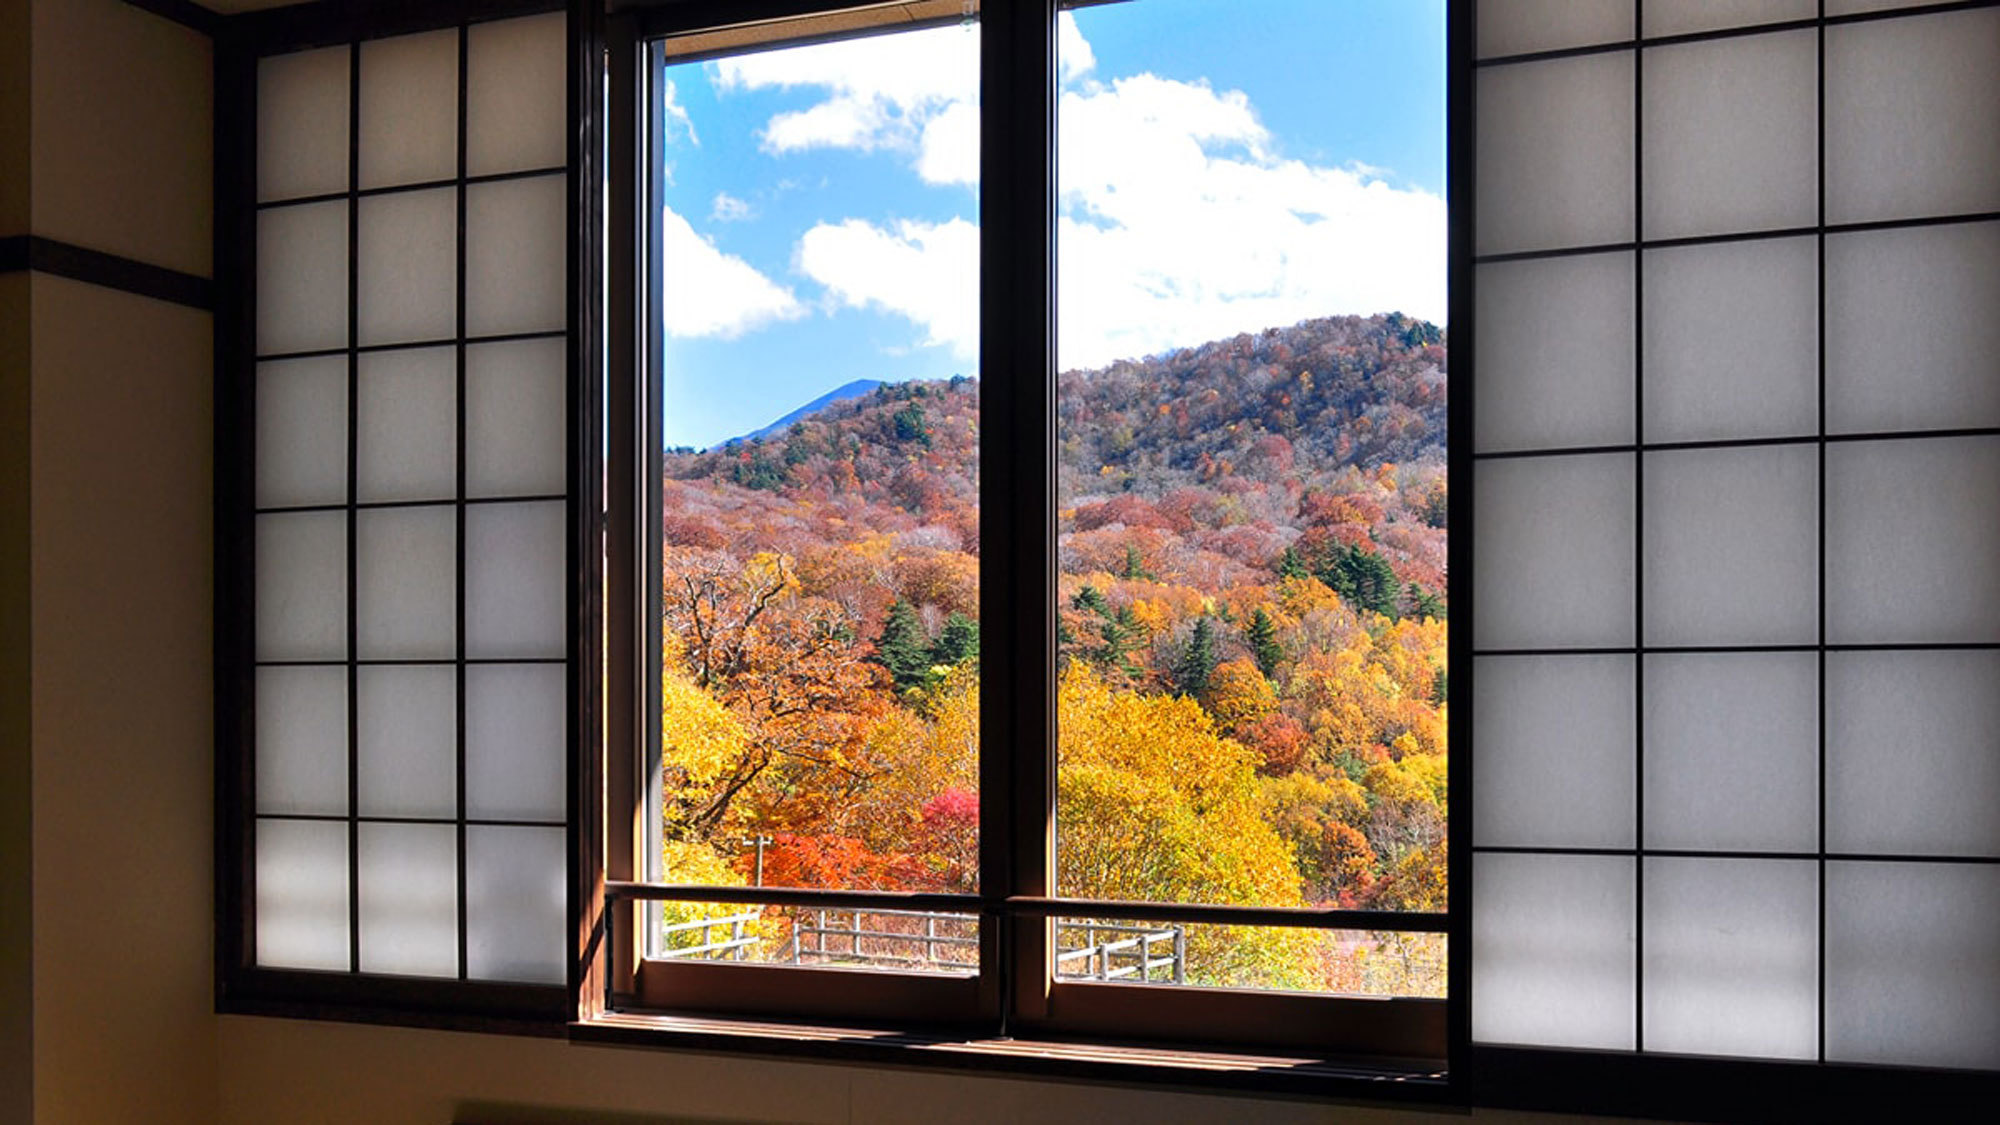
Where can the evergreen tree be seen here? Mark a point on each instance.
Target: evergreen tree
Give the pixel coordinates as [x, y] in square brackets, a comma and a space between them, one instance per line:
[1441, 688]
[1191, 671]
[1290, 565]
[1364, 580]
[909, 424]
[957, 640]
[1423, 603]
[1263, 638]
[1135, 565]
[903, 648]
[1090, 600]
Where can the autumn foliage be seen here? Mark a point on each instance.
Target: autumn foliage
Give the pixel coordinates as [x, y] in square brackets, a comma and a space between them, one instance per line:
[1251, 627]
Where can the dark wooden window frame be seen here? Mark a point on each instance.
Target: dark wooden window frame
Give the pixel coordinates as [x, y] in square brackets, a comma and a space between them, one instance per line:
[1016, 993]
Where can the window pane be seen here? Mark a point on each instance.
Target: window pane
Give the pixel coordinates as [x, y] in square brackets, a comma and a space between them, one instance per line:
[1251, 462]
[1279, 958]
[817, 252]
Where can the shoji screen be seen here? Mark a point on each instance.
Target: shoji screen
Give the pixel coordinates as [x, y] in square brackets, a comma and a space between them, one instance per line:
[1737, 542]
[408, 745]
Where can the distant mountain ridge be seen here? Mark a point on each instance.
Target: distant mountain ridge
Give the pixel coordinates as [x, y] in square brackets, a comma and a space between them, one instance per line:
[842, 393]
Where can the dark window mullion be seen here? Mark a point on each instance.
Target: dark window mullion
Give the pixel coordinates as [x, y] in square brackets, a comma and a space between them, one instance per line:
[1819, 328]
[353, 516]
[1639, 530]
[458, 545]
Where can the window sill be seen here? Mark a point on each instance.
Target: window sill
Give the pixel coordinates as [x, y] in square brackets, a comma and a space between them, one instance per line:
[1192, 1068]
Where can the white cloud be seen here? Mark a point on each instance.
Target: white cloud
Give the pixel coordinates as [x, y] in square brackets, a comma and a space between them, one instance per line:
[910, 93]
[926, 272]
[674, 113]
[1073, 49]
[710, 293]
[1178, 226]
[729, 209]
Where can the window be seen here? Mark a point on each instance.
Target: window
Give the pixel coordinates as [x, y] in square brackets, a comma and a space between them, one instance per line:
[1736, 438]
[1108, 704]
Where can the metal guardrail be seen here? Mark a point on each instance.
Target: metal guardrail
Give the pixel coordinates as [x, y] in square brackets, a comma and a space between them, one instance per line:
[1100, 958]
[730, 948]
[820, 941]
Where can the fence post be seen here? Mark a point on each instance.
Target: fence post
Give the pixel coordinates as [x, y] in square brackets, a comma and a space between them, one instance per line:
[1180, 955]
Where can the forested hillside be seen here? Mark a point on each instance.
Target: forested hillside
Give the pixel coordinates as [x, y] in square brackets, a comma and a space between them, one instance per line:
[1253, 681]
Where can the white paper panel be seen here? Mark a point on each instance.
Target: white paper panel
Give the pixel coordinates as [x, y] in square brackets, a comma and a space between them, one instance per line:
[406, 442]
[407, 740]
[1910, 127]
[1513, 27]
[1732, 957]
[516, 741]
[301, 895]
[516, 416]
[1678, 17]
[1732, 341]
[1556, 764]
[1555, 352]
[302, 432]
[515, 584]
[302, 123]
[302, 278]
[409, 109]
[1554, 562]
[407, 287]
[1555, 153]
[516, 98]
[1912, 967]
[1911, 539]
[405, 597]
[302, 586]
[1912, 767]
[516, 242]
[1910, 330]
[302, 740]
[516, 904]
[1732, 751]
[1732, 546]
[1732, 135]
[1553, 950]
[409, 899]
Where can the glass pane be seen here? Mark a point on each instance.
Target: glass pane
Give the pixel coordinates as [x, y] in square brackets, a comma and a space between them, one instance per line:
[1678, 17]
[819, 683]
[1272, 958]
[516, 904]
[904, 941]
[1515, 27]
[409, 109]
[1251, 456]
[302, 432]
[302, 895]
[516, 97]
[302, 123]
[409, 899]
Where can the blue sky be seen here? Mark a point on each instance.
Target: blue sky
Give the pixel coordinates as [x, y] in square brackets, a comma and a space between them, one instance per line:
[1218, 174]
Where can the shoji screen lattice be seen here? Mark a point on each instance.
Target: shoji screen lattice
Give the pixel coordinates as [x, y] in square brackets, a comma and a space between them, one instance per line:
[411, 506]
[1737, 463]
